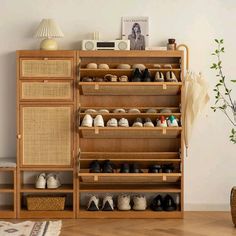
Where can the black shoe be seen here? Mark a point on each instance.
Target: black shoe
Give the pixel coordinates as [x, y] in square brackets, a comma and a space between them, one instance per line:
[94, 167]
[107, 167]
[93, 204]
[147, 76]
[137, 75]
[155, 169]
[157, 203]
[135, 168]
[168, 168]
[124, 168]
[169, 203]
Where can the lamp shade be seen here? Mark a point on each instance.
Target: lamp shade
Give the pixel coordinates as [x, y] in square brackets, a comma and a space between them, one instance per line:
[48, 28]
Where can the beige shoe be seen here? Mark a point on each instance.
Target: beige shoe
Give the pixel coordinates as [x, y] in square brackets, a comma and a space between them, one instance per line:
[124, 66]
[123, 203]
[92, 66]
[123, 122]
[98, 121]
[112, 122]
[87, 121]
[103, 66]
[170, 76]
[159, 77]
[140, 203]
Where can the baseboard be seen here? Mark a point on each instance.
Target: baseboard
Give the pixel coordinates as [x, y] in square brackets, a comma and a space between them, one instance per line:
[207, 207]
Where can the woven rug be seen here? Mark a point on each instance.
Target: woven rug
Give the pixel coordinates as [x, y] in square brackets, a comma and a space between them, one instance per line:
[30, 228]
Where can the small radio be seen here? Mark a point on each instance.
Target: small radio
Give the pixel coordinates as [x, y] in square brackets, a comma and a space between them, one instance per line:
[91, 45]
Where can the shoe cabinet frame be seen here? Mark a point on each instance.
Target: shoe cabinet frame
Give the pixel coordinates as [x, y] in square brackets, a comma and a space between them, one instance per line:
[46, 79]
[8, 211]
[143, 145]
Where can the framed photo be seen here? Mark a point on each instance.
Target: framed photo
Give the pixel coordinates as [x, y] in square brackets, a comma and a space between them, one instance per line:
[136, 29]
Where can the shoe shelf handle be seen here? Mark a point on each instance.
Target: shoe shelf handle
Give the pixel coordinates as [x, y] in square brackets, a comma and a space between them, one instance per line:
[96, 86]
[164, 178]
[96, 130]
[95, 178]
[163, 130]
[187, 54]
[164, 86]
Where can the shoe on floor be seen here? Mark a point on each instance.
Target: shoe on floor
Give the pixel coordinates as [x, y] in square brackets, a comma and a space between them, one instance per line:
[148, 123]
[87, 121]
[161, 122]
[172, 122]
[123, 122]
[169, 203]
[108, 167]
[98, 121]
[112, 122]
[147, 76]
[125, 168]
[157, 203]
[138, 122]
[123, 203]
[159, 77]
[140, 203]
[94, 167]
[137, 75]
[93, 204]
[107, 203]
[53, 181]
[41, 181]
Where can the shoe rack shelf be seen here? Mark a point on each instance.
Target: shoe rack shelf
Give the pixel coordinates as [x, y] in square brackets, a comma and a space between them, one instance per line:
[142, 145]
[8, 190]
[130, 88]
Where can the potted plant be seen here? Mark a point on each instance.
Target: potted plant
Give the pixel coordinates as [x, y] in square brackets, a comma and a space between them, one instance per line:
[226, 104]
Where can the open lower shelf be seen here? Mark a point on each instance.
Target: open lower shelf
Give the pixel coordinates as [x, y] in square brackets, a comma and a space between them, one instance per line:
[67, 213]
[83, 213]
[120, 188]
[7, 212]
[130, 88]
[65, 188]
[129, 132]
[129, 178]
[6, 188]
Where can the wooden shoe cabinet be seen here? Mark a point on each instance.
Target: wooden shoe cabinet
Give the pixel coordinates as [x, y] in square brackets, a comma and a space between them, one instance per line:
[46, 98]
[51, 103]
[142, 145]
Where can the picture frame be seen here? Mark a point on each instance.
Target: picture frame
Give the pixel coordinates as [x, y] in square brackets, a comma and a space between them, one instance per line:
[136, 29]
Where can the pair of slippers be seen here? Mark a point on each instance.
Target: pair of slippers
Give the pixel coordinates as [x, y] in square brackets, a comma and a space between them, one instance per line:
[163, 204]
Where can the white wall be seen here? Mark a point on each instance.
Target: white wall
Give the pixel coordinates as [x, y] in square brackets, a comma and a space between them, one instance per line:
[210, 168]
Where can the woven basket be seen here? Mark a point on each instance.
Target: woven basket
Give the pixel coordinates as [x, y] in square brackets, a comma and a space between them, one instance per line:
[233, 205]
[45, 203]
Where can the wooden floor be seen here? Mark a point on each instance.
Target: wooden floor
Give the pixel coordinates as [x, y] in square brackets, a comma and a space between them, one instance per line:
[194, 224]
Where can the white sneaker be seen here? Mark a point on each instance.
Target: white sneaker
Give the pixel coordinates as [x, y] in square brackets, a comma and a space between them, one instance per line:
[123, 122]
[134, 110]
[112, 122]
[107, 203]
[87, 121]
[170, 75]
[161, 122]
[148, 123]
[172, 122]
[53, 181]
[159, 77]
[103, 111]
[140, 203]
[123, 203]
[138, 122]
[98, 121]
[41, 181]
[93, 204]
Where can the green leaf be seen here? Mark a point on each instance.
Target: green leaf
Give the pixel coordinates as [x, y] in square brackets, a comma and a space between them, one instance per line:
[233, 80]
[216, 40]
[222, 40]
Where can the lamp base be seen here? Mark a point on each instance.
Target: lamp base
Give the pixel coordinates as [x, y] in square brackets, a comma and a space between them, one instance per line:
[48, 44]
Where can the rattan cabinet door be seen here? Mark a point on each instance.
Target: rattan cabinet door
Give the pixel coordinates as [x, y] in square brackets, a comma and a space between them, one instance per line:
[46, 67]
[46, 135]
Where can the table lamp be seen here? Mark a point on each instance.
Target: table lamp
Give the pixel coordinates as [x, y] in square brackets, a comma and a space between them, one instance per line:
[49, 30]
